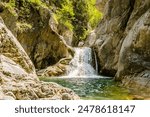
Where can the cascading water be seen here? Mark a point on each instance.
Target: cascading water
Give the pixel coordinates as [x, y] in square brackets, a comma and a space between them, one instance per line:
[81, 64]
[82, 76]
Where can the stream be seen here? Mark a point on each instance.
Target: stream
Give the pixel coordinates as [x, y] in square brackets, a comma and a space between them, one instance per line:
[83, 78]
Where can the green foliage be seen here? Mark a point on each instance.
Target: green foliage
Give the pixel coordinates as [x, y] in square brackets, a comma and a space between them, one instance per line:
[11, 3]
[86, 17]
[94, 14]
[65, 13]
[10, 6]
[23, 27]
[37, 2]
[23, 6]
[78, 15]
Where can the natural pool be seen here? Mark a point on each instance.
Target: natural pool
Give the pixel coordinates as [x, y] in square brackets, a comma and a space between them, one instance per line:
[94, 88]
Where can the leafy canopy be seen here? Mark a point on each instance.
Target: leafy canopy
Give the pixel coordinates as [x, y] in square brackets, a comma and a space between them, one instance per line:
[81, 16]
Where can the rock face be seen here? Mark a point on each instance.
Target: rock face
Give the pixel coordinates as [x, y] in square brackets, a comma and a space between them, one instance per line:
[109, 34]
[18, 79]
[135, 51]
[56, 70]
[14, 60]
[100, 5]
[35, 28]
[122, 41]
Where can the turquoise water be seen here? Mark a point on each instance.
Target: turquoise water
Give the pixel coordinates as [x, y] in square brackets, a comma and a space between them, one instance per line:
[93, 88]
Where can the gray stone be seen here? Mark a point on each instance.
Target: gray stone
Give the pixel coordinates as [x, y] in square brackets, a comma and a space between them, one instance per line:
[122, 41]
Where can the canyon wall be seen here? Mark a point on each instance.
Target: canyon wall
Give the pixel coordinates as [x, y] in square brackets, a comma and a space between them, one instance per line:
[122, 39]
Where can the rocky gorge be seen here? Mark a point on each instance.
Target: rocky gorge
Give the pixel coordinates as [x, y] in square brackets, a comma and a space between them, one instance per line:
[18, 77]
[121, 41]
[34, 41]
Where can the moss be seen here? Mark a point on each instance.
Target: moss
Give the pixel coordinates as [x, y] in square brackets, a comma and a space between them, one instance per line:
[10, 6]
[23, 7]
[55, 18]
[38, 3]
[23, 27]
[11, 3]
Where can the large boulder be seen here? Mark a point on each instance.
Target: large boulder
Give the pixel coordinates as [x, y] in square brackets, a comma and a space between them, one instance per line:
[14, 60]
[18, 79]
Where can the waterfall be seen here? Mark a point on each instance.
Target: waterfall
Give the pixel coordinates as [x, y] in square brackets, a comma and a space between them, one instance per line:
[81, 64]
[96, 63]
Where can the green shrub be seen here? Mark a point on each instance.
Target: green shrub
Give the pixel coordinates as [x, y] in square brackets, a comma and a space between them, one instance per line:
[94, 14]
[79, 16]
[10, 6]
[11, 3]
[86, 17]
[65, 14]
[37, 2]
[23, 27]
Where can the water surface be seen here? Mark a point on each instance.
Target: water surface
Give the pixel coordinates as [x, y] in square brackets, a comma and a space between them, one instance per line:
[94, 88]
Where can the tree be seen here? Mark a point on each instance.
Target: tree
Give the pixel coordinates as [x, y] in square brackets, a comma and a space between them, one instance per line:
[86, 16]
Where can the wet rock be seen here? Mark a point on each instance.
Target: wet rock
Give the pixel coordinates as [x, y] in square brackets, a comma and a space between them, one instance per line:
[91, 39]
[8, 14]
[11, 95]
[65, 32]
[81, 43]
[14, 60]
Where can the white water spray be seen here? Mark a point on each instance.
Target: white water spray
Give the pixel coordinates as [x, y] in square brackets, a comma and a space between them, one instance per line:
[81, 64]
